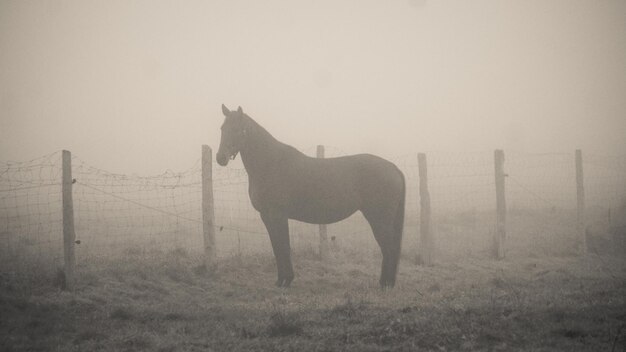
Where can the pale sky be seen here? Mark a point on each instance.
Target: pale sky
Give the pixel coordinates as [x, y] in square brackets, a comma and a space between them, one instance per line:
[137, 86]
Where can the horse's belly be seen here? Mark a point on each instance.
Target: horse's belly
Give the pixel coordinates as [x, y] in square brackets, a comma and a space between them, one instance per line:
[322, 210]
[321, 217]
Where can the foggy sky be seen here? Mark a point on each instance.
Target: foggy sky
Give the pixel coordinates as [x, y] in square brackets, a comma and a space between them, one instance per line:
[136, 86]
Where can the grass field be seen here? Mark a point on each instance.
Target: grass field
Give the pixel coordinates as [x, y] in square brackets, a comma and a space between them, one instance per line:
[166, 301]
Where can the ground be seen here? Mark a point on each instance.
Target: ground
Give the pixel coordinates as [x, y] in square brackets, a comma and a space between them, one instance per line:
[167, 301]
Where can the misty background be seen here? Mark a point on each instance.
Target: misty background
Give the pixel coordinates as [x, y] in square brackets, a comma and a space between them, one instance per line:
[136, 86]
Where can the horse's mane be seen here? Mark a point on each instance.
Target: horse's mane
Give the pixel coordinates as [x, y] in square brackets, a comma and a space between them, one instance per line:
[254, 127]
[260, 131]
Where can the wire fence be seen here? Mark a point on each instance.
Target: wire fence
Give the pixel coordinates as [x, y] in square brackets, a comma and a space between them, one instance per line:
[116, 213]
[31, 227]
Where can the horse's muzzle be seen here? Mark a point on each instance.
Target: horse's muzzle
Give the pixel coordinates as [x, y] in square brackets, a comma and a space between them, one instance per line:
[221, 159]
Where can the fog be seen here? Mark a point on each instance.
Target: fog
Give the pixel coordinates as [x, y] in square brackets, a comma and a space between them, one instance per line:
[136, 86]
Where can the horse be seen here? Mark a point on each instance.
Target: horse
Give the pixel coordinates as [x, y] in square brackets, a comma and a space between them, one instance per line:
[284, 183]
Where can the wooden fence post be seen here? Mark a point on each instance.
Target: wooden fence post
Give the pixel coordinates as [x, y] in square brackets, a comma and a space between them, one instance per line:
[580, 201]
[426, 245]
[69, 236]
[500, 233]
[323, 229]
[208, 210]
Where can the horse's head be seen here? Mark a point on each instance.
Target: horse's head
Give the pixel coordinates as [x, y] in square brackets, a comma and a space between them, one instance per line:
[233, 135]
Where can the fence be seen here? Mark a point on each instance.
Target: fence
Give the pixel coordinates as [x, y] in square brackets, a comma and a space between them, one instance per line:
[452, 209]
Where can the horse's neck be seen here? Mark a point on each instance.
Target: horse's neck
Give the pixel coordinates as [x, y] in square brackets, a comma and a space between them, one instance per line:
[260, 150]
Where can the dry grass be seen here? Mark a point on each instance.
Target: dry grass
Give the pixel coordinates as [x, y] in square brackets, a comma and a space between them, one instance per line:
[167, 302]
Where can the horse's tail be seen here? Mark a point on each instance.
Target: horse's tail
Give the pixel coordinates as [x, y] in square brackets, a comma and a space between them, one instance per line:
[399, 221]
[398, 225]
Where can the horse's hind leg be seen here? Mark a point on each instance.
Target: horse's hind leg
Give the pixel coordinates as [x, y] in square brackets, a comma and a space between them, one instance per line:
[278, 229]
[390, 244]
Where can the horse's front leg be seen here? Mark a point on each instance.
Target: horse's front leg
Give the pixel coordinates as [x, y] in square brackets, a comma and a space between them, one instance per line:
[278, 228]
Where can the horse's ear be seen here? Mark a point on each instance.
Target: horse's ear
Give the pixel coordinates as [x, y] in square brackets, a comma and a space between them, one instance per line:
[240, 110]
[225, 110]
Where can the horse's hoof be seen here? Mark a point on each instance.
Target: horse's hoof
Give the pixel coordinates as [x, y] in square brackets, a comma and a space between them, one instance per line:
[283, 282]
[386, 285]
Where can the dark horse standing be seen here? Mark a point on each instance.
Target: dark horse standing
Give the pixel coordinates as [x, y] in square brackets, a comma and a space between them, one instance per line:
[286, 184]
